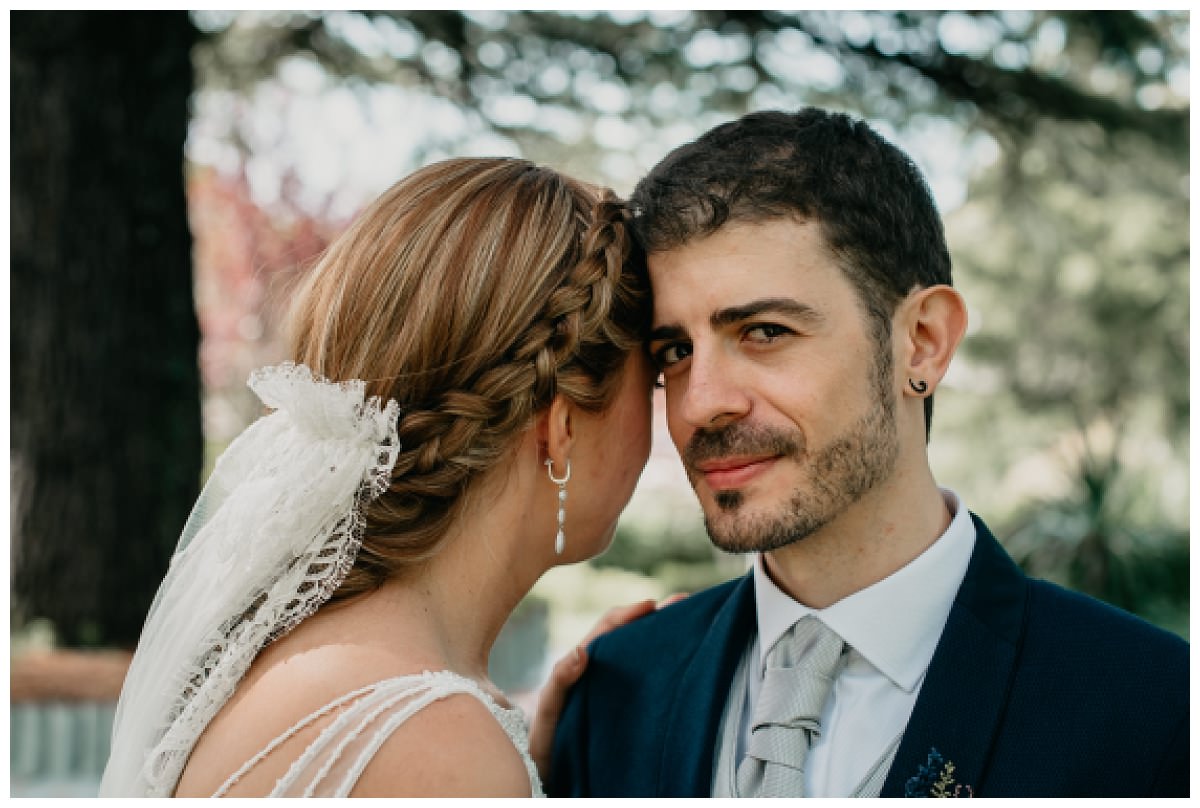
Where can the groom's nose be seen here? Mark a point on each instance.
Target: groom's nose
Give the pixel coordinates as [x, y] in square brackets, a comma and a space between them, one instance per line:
[711, 393]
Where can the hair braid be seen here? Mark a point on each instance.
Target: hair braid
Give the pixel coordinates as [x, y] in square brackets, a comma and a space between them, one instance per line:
[496, 285]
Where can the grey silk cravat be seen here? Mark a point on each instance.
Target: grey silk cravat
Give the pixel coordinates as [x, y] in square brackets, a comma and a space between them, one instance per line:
[799, 675]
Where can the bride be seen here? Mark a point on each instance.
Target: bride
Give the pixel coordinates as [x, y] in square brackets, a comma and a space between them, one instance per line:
[469, 407]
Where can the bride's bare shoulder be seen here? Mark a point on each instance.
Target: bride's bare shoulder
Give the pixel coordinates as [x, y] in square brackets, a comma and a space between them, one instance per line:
[283, 688]
[454, 747]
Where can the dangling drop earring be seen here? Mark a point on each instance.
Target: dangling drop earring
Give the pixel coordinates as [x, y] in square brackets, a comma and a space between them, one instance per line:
[560, 540]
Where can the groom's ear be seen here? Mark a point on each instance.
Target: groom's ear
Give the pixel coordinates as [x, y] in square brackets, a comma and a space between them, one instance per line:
[931, 323]
[556, 431]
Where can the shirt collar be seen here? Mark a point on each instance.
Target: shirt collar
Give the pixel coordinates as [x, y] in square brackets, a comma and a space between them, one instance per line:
[895, 623]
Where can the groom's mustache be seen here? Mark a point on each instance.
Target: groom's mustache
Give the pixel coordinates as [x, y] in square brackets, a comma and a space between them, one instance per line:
[741, 439]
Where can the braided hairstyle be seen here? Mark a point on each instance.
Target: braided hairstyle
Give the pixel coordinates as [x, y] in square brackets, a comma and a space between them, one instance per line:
[472, 292]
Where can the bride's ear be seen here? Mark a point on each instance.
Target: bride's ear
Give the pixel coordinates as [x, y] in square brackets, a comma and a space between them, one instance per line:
[556, 433]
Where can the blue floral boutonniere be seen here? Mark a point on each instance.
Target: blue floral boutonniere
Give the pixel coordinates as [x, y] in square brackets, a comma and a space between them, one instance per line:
[936, 779]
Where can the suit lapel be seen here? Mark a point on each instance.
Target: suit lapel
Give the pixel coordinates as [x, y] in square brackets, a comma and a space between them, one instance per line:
[967, 685]
[700, 695]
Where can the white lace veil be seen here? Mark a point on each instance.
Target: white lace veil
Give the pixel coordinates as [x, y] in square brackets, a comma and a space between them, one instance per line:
[272, 535]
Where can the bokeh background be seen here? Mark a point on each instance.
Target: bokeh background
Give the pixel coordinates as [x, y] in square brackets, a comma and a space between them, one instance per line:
[173, 174]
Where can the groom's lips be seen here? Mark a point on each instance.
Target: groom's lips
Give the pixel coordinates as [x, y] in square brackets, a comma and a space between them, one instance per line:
[733, 472]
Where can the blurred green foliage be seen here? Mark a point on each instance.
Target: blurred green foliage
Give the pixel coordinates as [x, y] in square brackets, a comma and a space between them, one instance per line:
[1065, 419]
[679, 557]
[1088, 541]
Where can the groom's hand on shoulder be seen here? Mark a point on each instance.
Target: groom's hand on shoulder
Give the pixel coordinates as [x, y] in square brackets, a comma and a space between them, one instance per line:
[568, 669]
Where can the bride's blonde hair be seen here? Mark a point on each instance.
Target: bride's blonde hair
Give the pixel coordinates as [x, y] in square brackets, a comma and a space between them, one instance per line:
[471, 292]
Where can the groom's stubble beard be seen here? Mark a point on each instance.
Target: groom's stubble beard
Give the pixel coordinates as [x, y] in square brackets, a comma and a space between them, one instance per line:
[834, 477]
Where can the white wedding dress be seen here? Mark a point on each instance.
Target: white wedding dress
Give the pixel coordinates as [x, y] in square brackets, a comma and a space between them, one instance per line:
[332, 764]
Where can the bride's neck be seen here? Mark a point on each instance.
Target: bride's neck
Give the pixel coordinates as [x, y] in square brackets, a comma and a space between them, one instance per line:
[449, 611]
[459, 601]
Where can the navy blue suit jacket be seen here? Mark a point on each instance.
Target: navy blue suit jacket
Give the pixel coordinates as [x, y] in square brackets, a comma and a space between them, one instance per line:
[1033, 691]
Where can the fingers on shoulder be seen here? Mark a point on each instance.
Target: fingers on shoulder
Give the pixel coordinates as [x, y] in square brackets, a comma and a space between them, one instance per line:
[568, 669]
[453, 747]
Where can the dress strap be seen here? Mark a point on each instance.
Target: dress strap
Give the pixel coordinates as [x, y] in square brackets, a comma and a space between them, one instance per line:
[331, 765]
[288, 733]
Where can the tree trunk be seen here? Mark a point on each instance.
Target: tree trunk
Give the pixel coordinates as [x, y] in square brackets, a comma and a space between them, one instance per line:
[106, 442]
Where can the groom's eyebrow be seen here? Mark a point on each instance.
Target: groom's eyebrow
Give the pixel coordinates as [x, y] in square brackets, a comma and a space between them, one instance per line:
[785, 306]
[731, 315]
[671, 331]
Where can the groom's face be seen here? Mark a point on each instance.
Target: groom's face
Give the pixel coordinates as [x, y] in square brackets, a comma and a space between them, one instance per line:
[780, 400]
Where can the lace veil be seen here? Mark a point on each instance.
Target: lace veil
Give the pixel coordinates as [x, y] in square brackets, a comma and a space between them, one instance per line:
[273, 534]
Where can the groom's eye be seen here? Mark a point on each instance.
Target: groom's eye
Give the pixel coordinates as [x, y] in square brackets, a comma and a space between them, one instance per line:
[765, 333]
[670, 354]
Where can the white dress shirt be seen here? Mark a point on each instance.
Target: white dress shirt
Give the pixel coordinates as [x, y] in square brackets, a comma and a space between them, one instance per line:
[892, 628]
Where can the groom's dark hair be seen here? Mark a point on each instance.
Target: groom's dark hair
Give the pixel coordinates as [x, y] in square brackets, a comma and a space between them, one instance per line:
[874, 208]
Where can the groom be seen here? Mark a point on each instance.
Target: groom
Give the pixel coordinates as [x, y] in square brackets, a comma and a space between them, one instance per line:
[884, 643]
